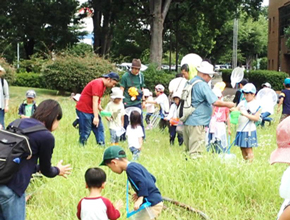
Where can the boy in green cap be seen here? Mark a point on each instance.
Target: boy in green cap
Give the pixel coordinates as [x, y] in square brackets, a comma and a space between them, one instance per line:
[115, 158]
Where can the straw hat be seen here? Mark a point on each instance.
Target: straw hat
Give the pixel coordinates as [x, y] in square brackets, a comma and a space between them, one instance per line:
[282, 153]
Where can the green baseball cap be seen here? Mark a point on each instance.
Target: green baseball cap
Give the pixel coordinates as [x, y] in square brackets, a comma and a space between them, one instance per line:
[113, 152]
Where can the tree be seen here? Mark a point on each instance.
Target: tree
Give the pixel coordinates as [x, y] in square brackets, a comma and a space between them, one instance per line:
[48, 24]
[158, 12]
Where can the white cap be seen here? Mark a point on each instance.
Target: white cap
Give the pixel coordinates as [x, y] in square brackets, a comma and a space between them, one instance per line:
[206, 68]
[268, 85]
[146, 92]
[176, 95]
[2, 69]
[159, 88]
[249, 88]
[76, 97]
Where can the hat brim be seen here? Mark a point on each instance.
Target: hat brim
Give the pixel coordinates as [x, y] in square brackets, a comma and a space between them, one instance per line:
[30, 97]
[280, 155]
[107, 76]
[117, 97]
[206, 72]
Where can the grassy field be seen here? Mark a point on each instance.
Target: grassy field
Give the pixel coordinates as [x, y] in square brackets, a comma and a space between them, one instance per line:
[222, 190]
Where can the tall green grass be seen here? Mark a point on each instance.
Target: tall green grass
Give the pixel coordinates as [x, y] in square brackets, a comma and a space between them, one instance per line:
[223, 190]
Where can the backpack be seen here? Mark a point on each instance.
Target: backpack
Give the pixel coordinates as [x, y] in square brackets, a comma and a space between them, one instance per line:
[14, 147]
[185, 108]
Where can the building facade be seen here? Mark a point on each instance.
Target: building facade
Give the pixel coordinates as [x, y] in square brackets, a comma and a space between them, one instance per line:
[279, 19]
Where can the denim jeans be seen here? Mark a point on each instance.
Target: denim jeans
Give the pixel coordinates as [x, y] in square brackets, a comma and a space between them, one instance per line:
[86, 126]
[135, 152]
[114, 138]
[126, 122]
[12, 206]
[265, 117]
[2, 114]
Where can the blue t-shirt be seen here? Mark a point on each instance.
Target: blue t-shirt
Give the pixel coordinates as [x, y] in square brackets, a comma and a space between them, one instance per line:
[202, 99]
[145, 181]
[285, 93]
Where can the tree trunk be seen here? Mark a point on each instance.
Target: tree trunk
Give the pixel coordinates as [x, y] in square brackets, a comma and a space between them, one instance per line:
[158, 12]
[29, 47]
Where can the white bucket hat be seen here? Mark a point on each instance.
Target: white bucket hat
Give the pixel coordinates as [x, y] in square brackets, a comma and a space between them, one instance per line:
[205, 68]
[159, 88]
[117, 93]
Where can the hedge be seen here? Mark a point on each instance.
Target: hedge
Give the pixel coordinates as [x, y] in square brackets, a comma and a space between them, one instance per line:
[153, 76]
[258, 77]
[71, 73]
[29, 80]
[10, 71]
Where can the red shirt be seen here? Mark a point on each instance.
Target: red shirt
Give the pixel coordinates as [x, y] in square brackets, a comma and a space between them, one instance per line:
[94, 88]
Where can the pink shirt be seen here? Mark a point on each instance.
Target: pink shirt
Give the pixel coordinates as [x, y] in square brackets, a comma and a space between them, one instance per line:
[221, 113]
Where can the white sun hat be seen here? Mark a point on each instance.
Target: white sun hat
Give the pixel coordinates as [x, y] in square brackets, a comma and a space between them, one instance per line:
[117, 93]
[146, 92]
[206, 68]
[176, 94]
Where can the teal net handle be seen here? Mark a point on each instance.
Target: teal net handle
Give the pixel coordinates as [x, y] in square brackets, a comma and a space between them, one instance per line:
[144, 205]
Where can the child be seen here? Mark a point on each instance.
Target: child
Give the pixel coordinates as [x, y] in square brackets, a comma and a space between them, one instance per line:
[162, 101]
[28, 107]
[246, 137]
[135, 134]
[239, 94]
[281, 155]
[285, 100]
[150, 109]
[95, 206]
[217, 126]
[76, 98]
[116, 108]
[115, 158]
[173, 119]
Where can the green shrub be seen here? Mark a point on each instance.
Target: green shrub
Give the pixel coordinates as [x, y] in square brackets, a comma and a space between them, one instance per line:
[153, 77]
[29, 80]
[10, 71]
[71, 73]
[258, 77]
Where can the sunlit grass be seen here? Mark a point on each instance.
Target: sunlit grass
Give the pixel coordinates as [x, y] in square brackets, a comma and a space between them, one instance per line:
[223, 190]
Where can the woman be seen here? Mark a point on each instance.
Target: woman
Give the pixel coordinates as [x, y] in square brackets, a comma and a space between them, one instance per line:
[4, 97]
[12, 197]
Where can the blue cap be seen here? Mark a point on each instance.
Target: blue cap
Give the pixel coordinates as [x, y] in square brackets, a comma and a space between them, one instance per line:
[249, 88]
[112, 75]
[287, 81]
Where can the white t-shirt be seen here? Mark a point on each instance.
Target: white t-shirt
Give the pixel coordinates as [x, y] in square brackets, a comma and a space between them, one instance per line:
[162, 100]
[133, 135]
[172, 112]
[117, 111]
[250, 107]
[177, 85]
[150, 107]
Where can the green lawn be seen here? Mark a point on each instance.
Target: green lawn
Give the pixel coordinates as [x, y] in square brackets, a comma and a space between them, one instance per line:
[222, 190]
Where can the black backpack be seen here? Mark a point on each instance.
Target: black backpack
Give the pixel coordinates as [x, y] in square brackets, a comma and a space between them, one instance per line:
[14, 147]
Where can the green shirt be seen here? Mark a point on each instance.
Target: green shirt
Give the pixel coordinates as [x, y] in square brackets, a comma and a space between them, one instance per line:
[28, 110]
[129, 80]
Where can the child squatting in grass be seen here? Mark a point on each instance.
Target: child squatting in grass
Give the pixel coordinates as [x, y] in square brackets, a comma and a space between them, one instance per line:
[95, 206]
[246, 137]
[115, 158]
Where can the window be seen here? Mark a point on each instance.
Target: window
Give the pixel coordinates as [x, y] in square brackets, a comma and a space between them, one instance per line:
[284, 15]
[269, 26]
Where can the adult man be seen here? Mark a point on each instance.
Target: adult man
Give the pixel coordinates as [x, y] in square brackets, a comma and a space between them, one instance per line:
[202, 99]
[133, 78]
[88, 107]
[185, 71]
